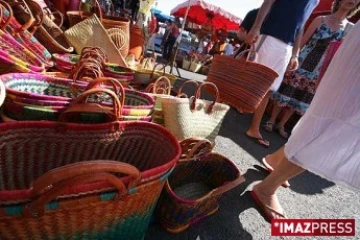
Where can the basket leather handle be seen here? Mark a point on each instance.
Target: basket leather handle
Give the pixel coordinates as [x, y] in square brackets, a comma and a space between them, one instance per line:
[39, 17]
[154, 69]
[51, 178]
[194, 147]
[84, 69]
[94, 173]
[180, 93]
[115, 84]
[228, 186]
[198, 93]
[80, 105]
[162, 85]
[7, 7]
[37, 206]
[97, 7]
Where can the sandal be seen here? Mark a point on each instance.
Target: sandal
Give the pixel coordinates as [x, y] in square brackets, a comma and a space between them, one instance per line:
[269, 126]
[282, 132]
[265, 209]
[260, 141]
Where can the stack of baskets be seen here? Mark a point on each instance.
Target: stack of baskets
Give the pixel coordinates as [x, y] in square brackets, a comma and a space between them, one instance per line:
[66, 62]
[42, 97]
[160, 89]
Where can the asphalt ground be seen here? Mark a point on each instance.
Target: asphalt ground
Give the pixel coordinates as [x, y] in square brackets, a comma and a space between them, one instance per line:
[309, 196]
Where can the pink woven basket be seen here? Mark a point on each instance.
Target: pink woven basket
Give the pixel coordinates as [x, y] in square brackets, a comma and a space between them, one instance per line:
[24, 37]
[17, 54]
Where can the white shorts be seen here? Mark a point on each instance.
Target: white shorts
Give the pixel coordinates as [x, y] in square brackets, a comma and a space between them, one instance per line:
[274, 54]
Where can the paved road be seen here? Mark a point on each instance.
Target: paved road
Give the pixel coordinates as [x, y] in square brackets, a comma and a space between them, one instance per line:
[238, 218]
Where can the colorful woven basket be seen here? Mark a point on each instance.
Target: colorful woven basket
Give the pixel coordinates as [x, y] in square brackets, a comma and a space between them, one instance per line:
[34, 89]
[67, 191]
[16, 57]
[66, 62]
[193, 190]
[24, 37]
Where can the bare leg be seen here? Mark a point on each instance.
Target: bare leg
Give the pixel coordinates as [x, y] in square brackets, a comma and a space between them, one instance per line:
[275, 113]
[287, 114]
[275, 158]
[254, 130]
[266, 190]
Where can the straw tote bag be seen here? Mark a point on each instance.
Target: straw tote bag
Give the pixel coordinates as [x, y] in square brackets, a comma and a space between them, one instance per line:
[91, 32]
[194, 117]
[242, 83]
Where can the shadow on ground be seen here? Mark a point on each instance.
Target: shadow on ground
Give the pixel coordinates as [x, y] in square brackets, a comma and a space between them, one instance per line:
[234, 127]
[225, 223]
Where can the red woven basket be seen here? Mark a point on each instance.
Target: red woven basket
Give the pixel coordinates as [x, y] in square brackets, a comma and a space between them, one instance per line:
[241, 83]
[50, 190]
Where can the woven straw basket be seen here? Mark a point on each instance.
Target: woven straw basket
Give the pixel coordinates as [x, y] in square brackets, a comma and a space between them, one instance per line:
[189, 118]
[193, 190]
[82, 181]
[242, 83]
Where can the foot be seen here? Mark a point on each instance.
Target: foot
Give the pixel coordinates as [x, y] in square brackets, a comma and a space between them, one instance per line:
[269, 203]
[269, 126]
[270, 167]
[282, 132]
[258, 139]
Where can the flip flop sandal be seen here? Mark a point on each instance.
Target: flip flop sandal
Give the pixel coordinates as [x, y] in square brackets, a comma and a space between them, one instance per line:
[269, 126]
[265, 209]
[269, 169]
[262, 142]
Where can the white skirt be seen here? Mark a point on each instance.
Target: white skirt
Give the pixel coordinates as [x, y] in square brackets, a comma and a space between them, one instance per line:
[326, 140]
[274, 54]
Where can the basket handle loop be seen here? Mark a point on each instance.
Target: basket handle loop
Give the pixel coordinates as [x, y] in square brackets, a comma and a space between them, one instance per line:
[5, 6]
[194, 147]
[117, 87]
[86, 68]
[80, 105]
[198, 93]
[97, 7]
[162, 85]
[180, 93]
[40, 15]
[55, 182]
[154, 69]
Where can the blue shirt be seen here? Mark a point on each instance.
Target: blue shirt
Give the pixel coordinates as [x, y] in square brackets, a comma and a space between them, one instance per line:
[249, 20]
[286, 18]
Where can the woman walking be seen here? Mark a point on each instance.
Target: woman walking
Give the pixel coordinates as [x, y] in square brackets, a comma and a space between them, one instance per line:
[326, 141]
[298, 88]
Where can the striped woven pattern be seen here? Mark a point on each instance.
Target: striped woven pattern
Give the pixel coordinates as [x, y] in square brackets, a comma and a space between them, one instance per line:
[190, 192]
[87, 211]
[242, 84]
[16, 54]
[33, 89]
[29, 41]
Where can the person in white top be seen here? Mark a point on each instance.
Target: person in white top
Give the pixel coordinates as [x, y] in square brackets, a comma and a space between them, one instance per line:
[326, 140]
[229, 49]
